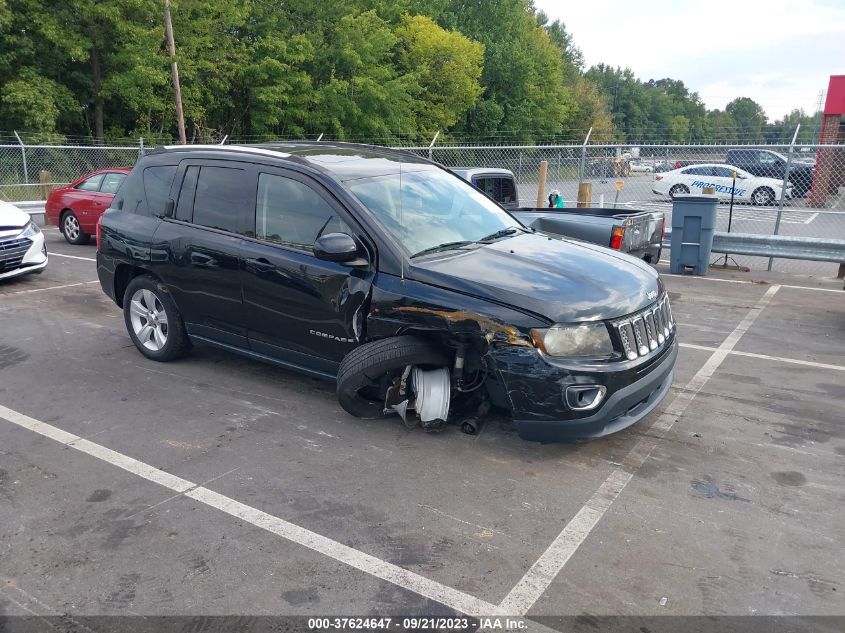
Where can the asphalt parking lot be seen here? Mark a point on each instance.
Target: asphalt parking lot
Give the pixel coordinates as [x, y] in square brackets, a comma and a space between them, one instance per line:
[216, 485]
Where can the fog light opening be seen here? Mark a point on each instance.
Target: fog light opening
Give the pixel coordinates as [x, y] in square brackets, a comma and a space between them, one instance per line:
[584, 397]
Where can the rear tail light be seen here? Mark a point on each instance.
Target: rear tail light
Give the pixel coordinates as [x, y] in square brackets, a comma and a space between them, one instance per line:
[99, 231]
[616, 237]
[662, 228]
[678, 165]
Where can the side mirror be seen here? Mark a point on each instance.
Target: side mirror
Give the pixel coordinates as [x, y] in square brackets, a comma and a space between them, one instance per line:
[338, 247]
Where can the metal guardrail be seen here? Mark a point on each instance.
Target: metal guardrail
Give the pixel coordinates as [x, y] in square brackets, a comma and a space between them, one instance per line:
[781, 246]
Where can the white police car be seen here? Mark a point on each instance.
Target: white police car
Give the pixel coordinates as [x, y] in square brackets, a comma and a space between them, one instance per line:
[694, 178]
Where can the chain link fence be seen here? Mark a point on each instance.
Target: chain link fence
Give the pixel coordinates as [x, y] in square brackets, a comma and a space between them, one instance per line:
[645, 178]
[622, 176]
[30, 172]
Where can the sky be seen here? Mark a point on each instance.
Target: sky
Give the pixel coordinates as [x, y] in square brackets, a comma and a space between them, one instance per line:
[778, 52]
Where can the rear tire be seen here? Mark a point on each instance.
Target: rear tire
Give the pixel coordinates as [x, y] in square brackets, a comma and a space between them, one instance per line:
[678, 189]
[365, 366]
[152, 320]
[762, 197]
[71, 229]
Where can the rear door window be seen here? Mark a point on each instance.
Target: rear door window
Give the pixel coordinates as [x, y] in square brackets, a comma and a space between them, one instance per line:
[218, 197]
[185, 206]
[111, 182]
[90, 184]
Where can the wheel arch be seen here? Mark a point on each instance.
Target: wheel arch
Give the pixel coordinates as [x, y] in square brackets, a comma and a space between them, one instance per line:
[62, 213]
[125, 273]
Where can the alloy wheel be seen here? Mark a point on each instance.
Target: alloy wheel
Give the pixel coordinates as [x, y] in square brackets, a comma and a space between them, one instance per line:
[149, 319]
[71, 227]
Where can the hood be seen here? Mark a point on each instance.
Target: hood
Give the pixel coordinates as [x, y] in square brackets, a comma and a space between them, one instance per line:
[559, 279]
[11, 217]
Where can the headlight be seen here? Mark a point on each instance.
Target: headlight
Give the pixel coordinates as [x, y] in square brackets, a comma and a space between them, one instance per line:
[30, 229]
[587, 339]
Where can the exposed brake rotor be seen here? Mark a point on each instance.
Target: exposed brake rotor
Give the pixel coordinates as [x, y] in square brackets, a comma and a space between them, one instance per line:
[428, 394]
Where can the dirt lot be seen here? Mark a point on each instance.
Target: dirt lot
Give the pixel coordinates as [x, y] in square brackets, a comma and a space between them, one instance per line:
[217, 485]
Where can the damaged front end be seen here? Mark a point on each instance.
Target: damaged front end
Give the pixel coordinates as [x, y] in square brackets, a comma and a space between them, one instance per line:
[493, 358]
[461, 388]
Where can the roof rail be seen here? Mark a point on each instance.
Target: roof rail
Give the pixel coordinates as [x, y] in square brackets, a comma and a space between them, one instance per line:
[247, 149]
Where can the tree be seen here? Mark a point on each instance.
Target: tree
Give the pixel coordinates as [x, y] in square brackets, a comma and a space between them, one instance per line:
[374, 70]
[365, 96]
[523, 73]
[573, 58]
[679, 129]
[782, 130]
[97, 51]
[446, 66]
[721, 127]
[749, 117]
[33, 102]
[590, 111]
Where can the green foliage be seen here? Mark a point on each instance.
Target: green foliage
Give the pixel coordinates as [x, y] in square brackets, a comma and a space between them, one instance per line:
[446, 66]
[782, 130]
[33, 102]
[377, 70]
[523, 71]
[750, 119]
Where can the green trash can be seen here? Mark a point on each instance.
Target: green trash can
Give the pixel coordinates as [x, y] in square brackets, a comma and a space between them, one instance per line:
[693, 225]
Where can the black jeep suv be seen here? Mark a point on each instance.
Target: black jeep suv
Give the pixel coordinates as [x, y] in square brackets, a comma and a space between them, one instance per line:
[385, 272]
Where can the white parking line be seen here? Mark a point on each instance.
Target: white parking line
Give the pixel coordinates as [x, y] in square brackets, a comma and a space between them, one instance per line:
[87, 259]
[541, 574]
[743, 281]
[780, 359]
[25, 292]
[411, 581]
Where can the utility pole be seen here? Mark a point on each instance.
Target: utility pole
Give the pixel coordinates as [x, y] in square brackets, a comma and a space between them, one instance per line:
[174, 68]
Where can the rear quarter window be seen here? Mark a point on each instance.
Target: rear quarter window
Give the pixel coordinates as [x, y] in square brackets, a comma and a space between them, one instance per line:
[157, 182]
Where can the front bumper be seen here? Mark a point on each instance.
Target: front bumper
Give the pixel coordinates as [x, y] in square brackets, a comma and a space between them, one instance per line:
[541, 415]
[34, 260]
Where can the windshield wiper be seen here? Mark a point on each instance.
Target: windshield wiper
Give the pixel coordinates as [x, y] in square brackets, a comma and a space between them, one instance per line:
[501, 233]
[441, 247]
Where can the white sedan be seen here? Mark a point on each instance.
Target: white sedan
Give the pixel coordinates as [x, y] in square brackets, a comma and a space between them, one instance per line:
[22, 248]
[694, 178]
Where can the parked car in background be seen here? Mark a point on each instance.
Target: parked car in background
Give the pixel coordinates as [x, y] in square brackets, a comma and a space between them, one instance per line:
[22, 248]
[641, 166]
[635, 232]
[381, 270]
[77, 207]
[768, 164]
[693, 179]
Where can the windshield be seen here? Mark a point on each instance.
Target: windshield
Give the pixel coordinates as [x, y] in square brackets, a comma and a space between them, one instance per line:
[426, 209]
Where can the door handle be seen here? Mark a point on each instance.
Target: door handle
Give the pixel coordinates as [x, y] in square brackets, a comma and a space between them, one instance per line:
[201, 259]
[261, 265]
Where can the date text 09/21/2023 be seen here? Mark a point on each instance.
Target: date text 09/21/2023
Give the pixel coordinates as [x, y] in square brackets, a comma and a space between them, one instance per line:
[416, 623]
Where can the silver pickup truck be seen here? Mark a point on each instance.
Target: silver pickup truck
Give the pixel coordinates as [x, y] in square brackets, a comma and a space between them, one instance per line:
[638, 233]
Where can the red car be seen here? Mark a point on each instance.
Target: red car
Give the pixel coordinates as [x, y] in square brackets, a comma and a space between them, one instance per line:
[77, 207]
